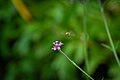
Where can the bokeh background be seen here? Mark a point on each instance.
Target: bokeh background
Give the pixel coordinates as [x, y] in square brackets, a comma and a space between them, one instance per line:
[29, 27]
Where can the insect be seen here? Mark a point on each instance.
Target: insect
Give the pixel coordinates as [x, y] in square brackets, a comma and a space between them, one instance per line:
[68, 34]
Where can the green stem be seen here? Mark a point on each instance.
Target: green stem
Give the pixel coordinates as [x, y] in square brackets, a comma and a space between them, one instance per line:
[85, 37]
[108, 33]
[75, 64]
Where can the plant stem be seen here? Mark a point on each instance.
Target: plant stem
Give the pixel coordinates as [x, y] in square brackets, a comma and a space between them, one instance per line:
[75, 64]
[108, 33]
[85, 36]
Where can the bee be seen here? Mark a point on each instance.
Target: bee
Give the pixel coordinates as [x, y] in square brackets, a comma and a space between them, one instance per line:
[68, 34]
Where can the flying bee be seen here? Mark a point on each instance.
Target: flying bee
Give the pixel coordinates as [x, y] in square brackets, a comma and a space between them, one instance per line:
[68, 34]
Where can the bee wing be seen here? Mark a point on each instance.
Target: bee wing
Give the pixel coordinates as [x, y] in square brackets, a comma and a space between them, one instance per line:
[62, 33]
[72, 33]
[67, 33]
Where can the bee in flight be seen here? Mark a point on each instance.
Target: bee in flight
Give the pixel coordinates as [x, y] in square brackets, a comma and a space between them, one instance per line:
[68, 34]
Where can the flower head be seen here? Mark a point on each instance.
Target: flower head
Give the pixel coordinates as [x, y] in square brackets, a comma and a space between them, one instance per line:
[57, 45]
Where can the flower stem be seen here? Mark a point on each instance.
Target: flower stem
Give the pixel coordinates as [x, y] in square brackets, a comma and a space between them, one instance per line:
[85, 36]
[108, 33]
[75, 64]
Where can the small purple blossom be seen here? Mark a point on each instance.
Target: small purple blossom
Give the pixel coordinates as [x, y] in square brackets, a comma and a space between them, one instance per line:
[57, 45]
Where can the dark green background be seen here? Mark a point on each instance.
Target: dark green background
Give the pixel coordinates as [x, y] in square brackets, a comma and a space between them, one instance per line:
[25, 47]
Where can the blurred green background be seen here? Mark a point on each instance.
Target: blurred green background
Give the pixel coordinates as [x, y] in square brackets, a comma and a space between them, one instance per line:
[29, 27]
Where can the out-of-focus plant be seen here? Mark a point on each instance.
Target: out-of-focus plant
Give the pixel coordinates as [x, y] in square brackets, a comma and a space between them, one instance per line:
[108, 33]
[25, 46]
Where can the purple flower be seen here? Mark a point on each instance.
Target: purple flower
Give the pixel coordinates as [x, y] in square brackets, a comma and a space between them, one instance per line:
[57, 45]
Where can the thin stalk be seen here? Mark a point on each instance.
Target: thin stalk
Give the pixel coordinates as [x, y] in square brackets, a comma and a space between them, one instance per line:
[76, 65]
[103, 78]
[108, 33]
[85, 37]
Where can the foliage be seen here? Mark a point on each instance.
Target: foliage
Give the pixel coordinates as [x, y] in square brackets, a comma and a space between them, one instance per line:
[26, 42]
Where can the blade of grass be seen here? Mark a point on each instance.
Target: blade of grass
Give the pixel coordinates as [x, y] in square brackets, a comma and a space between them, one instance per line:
[108, 33]
[106, 46]
[103, 78]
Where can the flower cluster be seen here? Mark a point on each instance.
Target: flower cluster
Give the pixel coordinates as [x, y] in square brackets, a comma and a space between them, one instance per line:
[57, 45]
